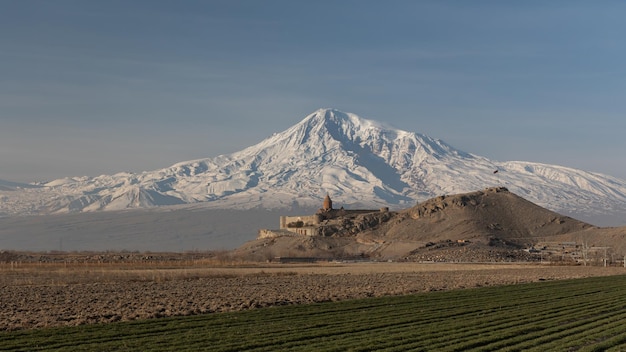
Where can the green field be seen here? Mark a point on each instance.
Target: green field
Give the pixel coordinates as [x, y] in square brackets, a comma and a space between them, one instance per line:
[570, 315]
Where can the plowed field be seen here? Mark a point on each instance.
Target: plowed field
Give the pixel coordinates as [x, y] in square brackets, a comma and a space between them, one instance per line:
[41, 295]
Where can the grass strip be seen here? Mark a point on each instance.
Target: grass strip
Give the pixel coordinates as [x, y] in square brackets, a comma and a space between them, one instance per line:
[582, 314]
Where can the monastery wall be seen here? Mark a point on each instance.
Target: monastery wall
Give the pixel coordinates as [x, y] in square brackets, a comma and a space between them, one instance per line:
[265, 233]
[301, 231]
[309, 225]
[307, 220]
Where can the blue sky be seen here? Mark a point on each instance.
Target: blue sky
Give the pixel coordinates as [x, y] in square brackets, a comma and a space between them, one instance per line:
[99, 87]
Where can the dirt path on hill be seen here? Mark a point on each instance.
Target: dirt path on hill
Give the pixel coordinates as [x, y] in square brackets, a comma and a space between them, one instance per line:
[35, 296]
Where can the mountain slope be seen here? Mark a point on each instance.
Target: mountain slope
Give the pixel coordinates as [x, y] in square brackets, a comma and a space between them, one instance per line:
[12, 186]
[357, 161]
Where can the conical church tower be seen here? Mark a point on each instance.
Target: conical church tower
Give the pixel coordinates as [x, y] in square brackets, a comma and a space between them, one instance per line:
[328, 204]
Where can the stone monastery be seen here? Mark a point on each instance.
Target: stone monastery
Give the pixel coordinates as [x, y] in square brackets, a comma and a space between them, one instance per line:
[319, 224]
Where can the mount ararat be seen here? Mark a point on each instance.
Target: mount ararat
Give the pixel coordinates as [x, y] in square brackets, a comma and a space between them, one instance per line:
[359, 162]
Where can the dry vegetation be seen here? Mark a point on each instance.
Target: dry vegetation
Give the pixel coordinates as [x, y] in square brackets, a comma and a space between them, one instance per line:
[66, 291]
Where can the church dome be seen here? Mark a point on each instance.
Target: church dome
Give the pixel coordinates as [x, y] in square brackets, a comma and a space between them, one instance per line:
[328, 204]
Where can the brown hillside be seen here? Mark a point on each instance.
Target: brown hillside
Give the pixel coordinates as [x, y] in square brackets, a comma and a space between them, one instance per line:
[489, 225]
[481, 216]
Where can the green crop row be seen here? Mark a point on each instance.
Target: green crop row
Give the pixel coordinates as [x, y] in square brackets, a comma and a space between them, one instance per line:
[582, 314]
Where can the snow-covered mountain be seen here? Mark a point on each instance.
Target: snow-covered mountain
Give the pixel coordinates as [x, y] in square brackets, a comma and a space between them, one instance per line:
[357, 161]
[12, 186]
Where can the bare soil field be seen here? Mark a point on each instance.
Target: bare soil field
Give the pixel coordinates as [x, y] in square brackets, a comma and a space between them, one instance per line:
[53, 293]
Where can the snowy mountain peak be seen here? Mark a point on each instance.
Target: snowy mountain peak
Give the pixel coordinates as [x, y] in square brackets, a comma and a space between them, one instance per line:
[331, 128]
[333, 118]
[357, 161]
[339, 123]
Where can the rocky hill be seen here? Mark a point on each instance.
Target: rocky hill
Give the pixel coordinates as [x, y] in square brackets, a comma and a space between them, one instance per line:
[489, 225]
[477, 216]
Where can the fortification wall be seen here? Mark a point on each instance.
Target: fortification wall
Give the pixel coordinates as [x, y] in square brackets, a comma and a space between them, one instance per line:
[265, 233]
[336, 213]
[309, 225]
[307, 220]
[304, 231]
[296, 231]
[362, 211]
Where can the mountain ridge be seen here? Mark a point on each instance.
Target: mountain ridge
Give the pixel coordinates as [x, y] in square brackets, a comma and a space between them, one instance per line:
[357, 160]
